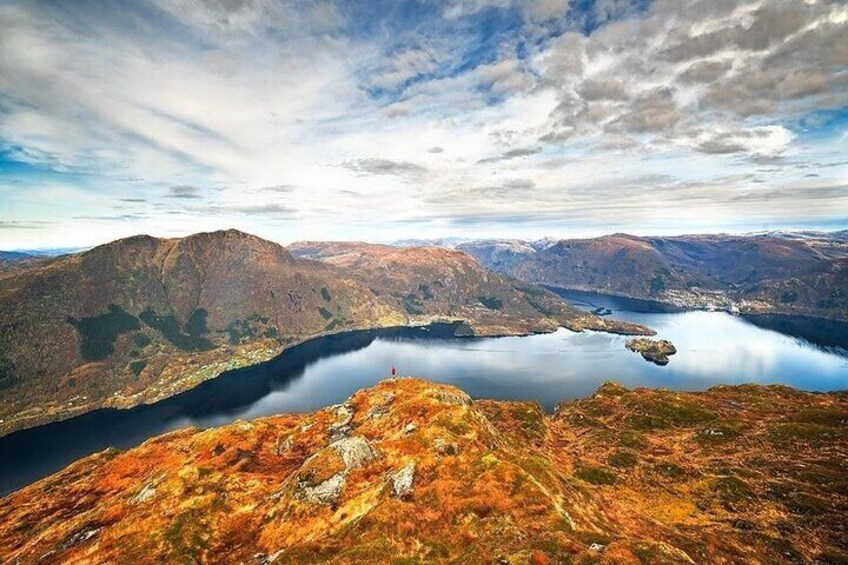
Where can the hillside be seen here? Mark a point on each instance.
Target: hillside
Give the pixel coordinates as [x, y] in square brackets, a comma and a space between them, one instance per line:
[430, 283]
[413, 472]
[141, 319]
[770, 273]
[13, 261]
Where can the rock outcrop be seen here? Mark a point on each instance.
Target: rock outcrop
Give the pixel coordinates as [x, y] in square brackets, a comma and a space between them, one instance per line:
[653, 350]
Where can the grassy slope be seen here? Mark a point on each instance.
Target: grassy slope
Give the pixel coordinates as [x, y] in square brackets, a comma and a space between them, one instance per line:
[738, 474]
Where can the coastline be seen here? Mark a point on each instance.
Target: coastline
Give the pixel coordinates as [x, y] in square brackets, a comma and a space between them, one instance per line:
[260, 353]
[667, 306]
[127, 426]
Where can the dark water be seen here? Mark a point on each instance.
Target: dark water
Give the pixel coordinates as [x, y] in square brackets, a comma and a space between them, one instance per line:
[713, 348]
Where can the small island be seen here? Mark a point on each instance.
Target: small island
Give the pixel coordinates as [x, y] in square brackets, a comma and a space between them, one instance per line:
[654, 350]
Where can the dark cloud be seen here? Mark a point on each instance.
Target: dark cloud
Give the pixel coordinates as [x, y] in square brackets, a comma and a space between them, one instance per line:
[721, 146]
[435, 149]
[603, 89]
[705, 71]
[651, 111]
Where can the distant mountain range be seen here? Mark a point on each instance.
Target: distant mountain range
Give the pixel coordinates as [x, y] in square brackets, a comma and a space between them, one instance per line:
[10, 260]
[141, 319]
[793, 273]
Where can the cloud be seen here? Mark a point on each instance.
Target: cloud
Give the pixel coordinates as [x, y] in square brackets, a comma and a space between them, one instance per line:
[760, 140]
[725, 62]
[238, 17]
[184, 192]
[280, 188]
[335, 116]
[230, 209]
[705, 71]
[512, 154]
[24, 225]
[407, 65]
[375, 166]
[520, 184]
[262, 209]
[651, 111]
[533, 11]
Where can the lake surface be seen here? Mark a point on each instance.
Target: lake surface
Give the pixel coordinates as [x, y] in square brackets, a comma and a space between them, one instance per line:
[713, 348]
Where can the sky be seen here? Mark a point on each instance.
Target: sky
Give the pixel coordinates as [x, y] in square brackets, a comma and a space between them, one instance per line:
[387, 119]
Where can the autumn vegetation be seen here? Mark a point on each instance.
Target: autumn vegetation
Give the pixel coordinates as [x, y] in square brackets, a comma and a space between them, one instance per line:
[413, 472]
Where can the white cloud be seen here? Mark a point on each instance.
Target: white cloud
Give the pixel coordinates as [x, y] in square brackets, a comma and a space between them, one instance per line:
[654, 119]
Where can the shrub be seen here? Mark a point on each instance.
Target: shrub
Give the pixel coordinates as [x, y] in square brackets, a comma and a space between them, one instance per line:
[99, 333]
[491, 302]
[623, 459]
[595, 474]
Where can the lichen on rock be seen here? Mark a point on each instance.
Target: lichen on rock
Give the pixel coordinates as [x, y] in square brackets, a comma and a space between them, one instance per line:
[623, 476]
[355, 451]
[326, 492]
[402, 480]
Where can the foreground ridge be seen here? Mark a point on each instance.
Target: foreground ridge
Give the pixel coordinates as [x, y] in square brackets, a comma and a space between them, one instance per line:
[415, 471]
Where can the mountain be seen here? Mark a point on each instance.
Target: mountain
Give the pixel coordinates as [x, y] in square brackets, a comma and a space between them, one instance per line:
[12, 261]
[8, 257]
[141, 319]
[755, 273]
[438, 242]
[414, 472]
[434, 283]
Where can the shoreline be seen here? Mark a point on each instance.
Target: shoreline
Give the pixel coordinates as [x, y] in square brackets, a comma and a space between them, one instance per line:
[252, 383]
[676, 308]
[232, 395]
[184, 383]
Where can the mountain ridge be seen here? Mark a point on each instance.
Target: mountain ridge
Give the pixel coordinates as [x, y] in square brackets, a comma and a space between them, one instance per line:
[749, 274]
